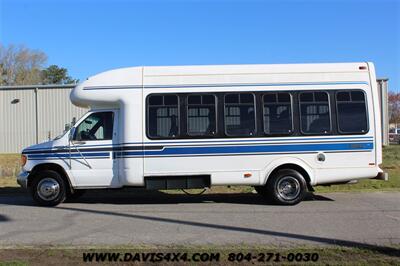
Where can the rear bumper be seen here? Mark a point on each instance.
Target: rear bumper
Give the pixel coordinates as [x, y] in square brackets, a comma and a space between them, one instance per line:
[382, 176]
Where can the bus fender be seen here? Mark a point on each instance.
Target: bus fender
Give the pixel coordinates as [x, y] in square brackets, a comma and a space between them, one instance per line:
[266, 172]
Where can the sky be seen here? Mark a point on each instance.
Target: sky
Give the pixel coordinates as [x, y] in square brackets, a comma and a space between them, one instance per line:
[88, 36]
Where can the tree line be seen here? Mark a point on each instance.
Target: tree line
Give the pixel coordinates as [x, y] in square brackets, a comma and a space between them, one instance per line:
[20, 65]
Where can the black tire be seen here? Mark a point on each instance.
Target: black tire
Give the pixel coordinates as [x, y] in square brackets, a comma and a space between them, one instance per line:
[285, 187]
[48, 188]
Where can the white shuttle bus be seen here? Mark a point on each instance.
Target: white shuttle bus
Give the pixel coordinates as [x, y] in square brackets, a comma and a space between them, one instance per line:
[280, 128]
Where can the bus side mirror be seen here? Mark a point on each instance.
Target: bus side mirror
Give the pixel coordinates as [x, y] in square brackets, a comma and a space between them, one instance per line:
[71, 133]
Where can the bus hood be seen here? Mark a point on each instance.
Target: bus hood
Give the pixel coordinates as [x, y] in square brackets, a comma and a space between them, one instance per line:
[47, 145]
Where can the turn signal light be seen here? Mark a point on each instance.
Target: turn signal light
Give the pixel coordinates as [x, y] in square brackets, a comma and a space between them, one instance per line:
[23, 159]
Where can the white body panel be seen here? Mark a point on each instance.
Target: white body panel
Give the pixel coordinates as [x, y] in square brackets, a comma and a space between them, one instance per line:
[134, 156]
[100, 170]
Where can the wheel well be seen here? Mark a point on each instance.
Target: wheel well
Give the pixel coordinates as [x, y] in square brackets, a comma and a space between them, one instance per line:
[49, 166]
[296, 168]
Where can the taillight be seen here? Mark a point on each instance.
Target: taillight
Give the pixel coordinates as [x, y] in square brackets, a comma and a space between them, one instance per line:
[23, 159]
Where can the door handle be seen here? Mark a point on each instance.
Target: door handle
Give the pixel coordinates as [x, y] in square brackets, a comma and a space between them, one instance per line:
[79, 142]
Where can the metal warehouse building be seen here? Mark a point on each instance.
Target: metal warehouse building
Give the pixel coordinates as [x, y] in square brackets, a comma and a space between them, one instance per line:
[33, 114]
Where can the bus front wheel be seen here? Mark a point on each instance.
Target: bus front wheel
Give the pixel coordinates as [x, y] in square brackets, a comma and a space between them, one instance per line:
[284, 187]
[48, 188]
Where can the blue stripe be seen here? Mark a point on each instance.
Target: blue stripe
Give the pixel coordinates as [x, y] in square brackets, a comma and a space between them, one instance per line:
[227, 149]
[226, 85]
[67, 155]
[251, 149]
[249, 141]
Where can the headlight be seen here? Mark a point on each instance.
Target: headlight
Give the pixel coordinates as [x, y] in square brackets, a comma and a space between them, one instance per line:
[24, 158]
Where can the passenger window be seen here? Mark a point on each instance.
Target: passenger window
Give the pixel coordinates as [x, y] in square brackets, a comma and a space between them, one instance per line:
[163, 116]
[352, 112]
[97, 126]
[240, 114]
[277, 114]
[201, 115]
[315, 113]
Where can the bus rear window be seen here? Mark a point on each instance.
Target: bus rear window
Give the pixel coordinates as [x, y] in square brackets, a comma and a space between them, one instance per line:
[351, 112]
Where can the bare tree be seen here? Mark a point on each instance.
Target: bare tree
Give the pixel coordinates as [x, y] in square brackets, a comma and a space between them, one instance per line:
[21, 65]
[394, 107]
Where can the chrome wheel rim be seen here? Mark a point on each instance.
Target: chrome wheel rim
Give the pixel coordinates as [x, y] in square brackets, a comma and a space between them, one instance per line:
[288, 188]
[48, 189]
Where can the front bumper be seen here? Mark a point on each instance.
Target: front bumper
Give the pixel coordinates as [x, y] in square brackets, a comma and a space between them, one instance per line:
[22, 179]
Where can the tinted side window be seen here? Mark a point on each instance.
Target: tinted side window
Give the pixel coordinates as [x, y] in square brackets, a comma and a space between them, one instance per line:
[351, 112]
[97, 126]
[277, 112]
[163, 116]
[314, 113]
[239, 114]
[201, 115]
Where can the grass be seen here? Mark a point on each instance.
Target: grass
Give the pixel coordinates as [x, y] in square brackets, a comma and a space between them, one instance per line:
[330, 255]
[9, 168]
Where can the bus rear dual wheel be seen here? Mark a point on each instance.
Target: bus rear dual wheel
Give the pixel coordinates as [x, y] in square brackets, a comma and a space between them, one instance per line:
[285, 187]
